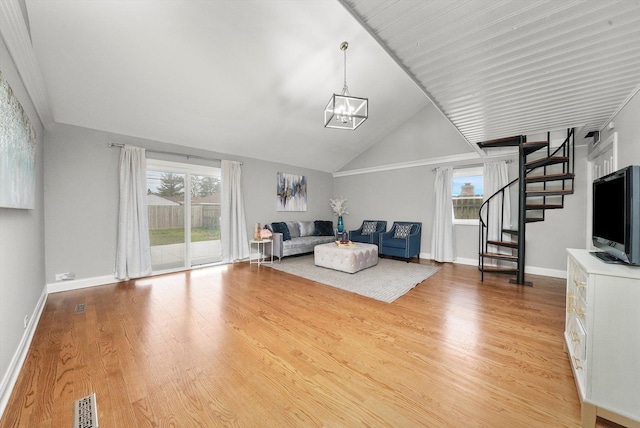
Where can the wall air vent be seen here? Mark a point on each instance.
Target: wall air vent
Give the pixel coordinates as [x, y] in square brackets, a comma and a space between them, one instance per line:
[595, 135]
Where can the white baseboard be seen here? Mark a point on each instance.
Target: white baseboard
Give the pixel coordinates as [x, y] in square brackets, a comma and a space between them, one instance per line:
[554, 273]
[463, 261]
[10, 377]
[59, 286]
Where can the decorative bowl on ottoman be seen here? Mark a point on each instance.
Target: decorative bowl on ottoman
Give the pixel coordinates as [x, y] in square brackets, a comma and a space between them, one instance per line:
[349, 259]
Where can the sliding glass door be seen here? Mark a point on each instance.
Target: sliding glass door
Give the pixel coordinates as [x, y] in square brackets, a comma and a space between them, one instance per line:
[205, 219]
[184, 215]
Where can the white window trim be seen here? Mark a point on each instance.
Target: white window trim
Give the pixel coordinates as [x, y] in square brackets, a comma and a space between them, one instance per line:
[466, 222]
[467, 172]
[182, 167]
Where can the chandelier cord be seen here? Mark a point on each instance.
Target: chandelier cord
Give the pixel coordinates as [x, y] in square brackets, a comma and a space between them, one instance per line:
[345, 88]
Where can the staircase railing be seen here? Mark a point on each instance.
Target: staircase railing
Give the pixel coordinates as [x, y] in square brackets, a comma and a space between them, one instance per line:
[484, 222]
[565, 149]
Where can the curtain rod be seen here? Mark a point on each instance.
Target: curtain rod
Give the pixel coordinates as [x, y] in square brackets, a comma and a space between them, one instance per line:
[171, 153]
[474, 164]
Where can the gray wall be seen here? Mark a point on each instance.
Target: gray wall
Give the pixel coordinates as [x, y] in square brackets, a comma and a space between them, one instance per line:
[81, 197]
[402, 195]
[81, 176]
[419, 137]
[628, 128]
[21, 242]
[547, 241]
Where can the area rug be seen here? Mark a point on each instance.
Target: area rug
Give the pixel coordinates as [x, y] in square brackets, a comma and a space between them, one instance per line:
[386, 281]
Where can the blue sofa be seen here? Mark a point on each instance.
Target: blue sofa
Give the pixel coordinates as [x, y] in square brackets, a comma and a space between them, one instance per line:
[402, 240]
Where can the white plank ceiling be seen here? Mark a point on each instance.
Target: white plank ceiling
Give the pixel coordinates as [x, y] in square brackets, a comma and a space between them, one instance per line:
[502, 68]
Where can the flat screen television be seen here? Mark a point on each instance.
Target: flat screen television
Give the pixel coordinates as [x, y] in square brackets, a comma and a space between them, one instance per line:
[616, 216]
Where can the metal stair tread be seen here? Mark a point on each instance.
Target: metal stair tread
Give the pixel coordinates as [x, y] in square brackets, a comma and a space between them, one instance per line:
[499, 256]
[546, 161]
[544, 206]
[498, 269]
[503, 243]
[534, 146]
[534, 219]
[550, 177]
[501, 142]
[549, 192]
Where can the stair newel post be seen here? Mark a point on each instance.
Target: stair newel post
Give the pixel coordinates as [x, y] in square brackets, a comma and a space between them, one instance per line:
[544, 169]
[522, 215]
[572, 135]
[483, 237]
[501, 238]
[487, 232]
[482, 240]
[566, 168]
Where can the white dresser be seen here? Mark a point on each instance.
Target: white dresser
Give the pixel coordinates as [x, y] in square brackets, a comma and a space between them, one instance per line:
[602, 337]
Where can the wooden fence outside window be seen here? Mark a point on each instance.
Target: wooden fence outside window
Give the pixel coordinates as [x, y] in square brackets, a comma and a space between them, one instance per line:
[172, 216]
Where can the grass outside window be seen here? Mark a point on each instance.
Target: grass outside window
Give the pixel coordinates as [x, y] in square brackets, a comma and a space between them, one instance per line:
[176, 236]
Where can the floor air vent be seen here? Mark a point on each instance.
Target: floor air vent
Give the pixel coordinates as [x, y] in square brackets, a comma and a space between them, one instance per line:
[81, 308]
[85, 413]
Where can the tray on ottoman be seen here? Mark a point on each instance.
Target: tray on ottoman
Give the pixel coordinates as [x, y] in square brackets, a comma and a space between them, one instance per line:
[350, 259]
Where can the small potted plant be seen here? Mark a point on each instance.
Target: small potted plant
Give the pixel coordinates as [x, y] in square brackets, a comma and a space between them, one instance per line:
[339, 207]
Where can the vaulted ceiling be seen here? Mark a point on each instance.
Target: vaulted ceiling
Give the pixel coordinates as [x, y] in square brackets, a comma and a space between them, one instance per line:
[252, 77]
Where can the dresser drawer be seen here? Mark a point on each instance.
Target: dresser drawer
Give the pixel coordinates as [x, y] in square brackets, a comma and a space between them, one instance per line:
[577, 341]
[576, 296]
[580, 310]
[578, 278]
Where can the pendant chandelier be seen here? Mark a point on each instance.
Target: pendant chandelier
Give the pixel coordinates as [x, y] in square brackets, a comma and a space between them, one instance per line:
[343, 110]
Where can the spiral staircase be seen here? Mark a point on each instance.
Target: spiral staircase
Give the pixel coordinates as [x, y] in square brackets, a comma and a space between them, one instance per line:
[546, 176]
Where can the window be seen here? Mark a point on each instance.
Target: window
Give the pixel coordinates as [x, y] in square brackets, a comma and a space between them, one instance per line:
[467, 194]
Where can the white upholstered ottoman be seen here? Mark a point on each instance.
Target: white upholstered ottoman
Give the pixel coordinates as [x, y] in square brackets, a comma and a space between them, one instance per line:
[346, 259]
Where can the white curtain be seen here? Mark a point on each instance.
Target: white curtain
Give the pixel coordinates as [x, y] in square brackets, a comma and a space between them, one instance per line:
[496, 176]
[133, 256]
[442, 235]
[233, 228]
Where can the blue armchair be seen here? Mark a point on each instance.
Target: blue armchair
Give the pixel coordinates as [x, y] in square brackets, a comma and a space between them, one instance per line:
[369, 232]
[402, 240]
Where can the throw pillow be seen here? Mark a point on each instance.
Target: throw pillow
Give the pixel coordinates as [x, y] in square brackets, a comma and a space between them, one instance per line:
[307, 228]
[294, 228]
[368, 227]
[402, 231]
[281, 227]
[323, 228]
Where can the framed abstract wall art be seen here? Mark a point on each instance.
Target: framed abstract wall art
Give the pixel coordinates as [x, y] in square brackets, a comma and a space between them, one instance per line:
[17, 152]
[291, 192]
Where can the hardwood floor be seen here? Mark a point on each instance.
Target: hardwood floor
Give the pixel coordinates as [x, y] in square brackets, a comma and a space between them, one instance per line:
[249, 346]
